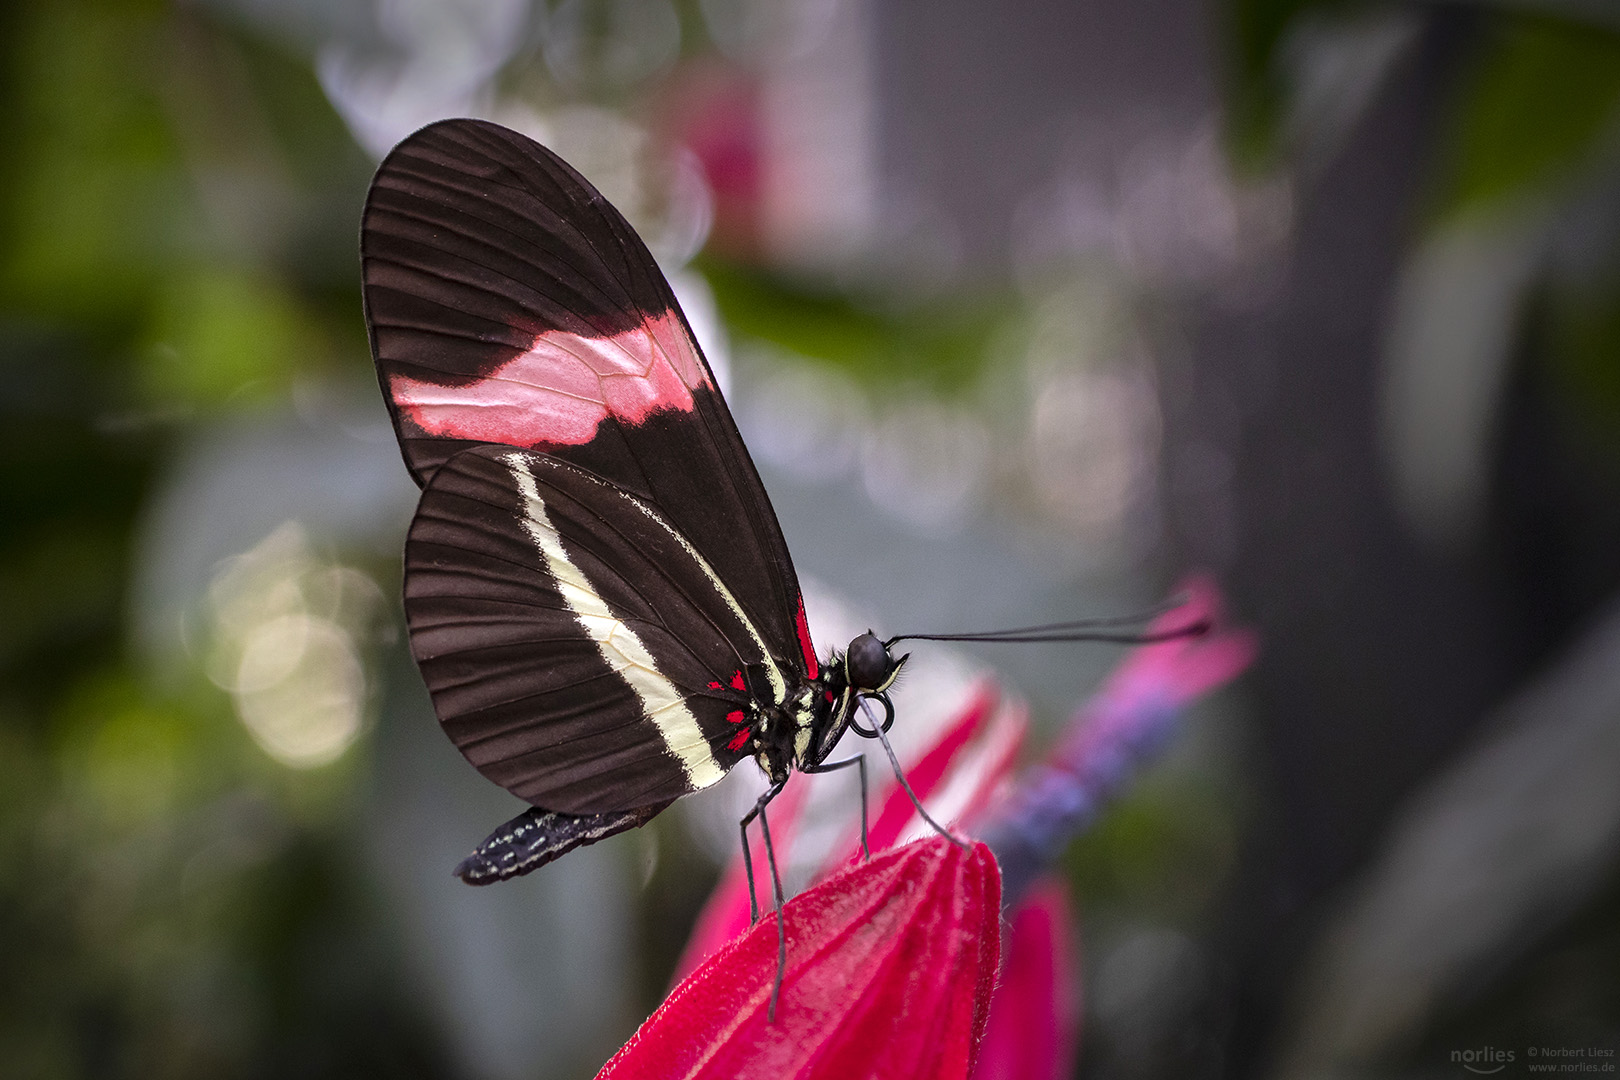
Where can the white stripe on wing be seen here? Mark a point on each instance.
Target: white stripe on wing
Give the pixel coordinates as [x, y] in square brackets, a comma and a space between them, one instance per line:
[623, 651]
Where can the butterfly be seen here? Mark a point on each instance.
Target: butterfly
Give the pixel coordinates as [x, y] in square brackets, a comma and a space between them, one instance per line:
[597, 591]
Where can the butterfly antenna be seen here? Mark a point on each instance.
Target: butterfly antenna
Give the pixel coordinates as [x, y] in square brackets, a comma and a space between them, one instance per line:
[1095, 629]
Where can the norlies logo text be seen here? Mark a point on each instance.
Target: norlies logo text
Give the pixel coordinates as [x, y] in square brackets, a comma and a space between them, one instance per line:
[1485, 1061]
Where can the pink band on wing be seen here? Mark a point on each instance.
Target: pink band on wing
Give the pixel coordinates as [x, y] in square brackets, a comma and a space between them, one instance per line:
[563, 387]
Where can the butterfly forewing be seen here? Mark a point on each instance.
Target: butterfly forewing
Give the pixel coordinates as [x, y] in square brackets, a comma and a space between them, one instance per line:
[510, 304]
[478, 243]
[579, 650]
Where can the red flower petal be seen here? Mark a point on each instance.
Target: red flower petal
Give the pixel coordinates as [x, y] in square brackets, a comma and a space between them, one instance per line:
[890, 969]
[1034, 1017]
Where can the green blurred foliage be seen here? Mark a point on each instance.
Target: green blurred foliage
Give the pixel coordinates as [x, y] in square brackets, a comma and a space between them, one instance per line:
[1536, 129]
[937, 344]
[176, 905]
[1254, 34]
[1165, 854]
[95, 197]
[1539, 103]
[1532, 128]
[172, 903]
[1583, 329]
[217, 334]
[1536, 103]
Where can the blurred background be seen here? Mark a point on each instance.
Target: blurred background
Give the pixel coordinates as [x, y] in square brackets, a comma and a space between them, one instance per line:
[1024, 310]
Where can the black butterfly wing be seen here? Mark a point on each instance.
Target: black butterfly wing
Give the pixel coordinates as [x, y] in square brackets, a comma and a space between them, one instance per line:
[580, 651]
[509, 303]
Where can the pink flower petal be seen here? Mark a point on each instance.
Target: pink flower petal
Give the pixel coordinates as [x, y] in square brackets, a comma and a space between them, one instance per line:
[890, 969]
[1113, 735]
[1034, 1017]
[980, 775]
[1179, 671]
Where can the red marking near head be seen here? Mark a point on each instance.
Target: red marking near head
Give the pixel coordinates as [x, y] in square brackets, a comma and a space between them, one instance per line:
[562, 388]
[738, 739]
[735, 716]
[737, 682]
[805, 645]
[828, 694]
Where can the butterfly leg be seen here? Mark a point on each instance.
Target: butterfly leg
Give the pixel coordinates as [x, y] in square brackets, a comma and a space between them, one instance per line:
[781, 919]
[858, 760]
[880, 732]
[748, 861]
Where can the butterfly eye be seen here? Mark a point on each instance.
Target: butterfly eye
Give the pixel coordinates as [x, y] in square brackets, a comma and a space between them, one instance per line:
[867, 663]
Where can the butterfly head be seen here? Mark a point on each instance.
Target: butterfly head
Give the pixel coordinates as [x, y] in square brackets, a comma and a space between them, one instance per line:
[869, 667]
[866, 669]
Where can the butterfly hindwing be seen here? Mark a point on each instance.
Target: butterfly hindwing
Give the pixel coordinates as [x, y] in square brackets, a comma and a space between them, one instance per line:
[509, 303]
[579, 650]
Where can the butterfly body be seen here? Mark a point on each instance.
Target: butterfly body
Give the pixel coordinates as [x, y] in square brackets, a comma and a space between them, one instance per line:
[598, 593]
